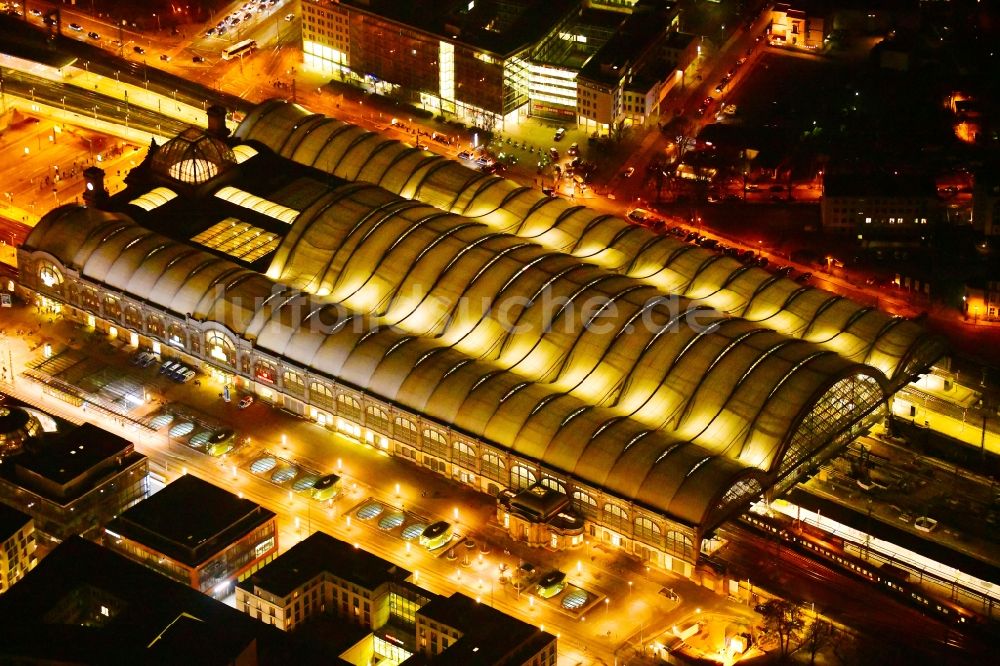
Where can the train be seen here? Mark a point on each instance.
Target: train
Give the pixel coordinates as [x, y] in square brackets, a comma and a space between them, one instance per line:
[830, 549]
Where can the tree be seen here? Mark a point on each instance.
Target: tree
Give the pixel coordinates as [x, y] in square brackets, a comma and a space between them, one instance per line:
[783, 618]
[818, 635]
[618, 131]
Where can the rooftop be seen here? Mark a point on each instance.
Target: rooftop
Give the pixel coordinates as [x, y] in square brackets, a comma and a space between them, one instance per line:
[321, 553]
[11, 520]
[86, 604]
[647, 23]
[72, 454]
[498, 26]
[488, 633]
[878, 185]
[190, 520]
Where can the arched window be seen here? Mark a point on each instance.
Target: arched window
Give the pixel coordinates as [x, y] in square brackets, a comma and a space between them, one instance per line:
[177, 336]
[615, 517]
[265, 372]
[220, 348]
[90, 299]
[349, 407]
[293, 383]
[521, 477]
[553, 484]
[464, 454]
[133, 318]
[154, 326]
[494, 467]
[376, 419]
[647, 530]
[678, 543]
[435, 443]
[49, 275]
[405, 431]
[584, 503]
[321, 395]
[112, 308]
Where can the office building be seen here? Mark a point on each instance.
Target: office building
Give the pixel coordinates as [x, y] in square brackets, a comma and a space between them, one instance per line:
[71, 479]
[84, 604]
[17, 546]
[198, 534]
[320, 574]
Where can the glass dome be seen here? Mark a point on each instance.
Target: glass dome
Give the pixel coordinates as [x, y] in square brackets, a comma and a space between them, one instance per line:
[193, 157]
[16, 427]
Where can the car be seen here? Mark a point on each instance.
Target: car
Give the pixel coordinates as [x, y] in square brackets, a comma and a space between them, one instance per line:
[465, 155]
[220, 442]
[784, 271]
[116, 42]
[574, 149]
[548, 191]
[740, 61]
[76, 27]
[187, 376]
[35, 12]
[138, 49]
[554, 154]
[95, 36]
[551, 584]
[560, 133]
[245, 401]
[325, 487]
[164, 57]
[640, 216]
[197, 58]
[234, 21]
[719, 88]
[436, 535]
[700, 111]
[289, 17]
[707, 102]
[210, 32]
[629, 171]
[148, 361]
[805, 277]
[167, 366]
[247, 16]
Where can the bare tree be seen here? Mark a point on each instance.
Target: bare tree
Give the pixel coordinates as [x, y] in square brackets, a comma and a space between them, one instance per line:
[784, 618]
[819, 634]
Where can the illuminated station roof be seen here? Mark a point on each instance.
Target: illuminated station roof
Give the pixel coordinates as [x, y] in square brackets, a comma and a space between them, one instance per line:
[493, 323]
[895, 346]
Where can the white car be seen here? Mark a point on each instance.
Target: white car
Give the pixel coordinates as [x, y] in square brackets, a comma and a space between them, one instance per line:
[76, 27]
[289, 17]
[246, 401]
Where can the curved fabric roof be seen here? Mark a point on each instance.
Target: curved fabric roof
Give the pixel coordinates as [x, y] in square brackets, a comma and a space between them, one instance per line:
[861, 333]
[666, 403]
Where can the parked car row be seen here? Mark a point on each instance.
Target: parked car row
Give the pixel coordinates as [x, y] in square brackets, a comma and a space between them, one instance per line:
[143, 359]
[177, 371]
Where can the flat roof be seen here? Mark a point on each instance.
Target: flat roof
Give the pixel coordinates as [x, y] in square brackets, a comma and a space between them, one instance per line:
[71, 454]
[878, 184]
[321, 553]
[647, 22]
[84, 603]
[190, 520]
[487, 632]
[11, 521]
[500, 27]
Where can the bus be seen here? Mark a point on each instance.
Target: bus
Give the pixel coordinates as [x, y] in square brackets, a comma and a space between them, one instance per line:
[239, 49]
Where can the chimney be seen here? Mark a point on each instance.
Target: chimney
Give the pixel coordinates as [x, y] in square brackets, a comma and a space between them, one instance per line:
[95, 195]
[217, 121]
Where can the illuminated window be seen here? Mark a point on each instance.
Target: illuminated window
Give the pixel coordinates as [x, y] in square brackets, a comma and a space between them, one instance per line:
[220, 348]
[521, 477]
[349, 407]
[49, 275]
